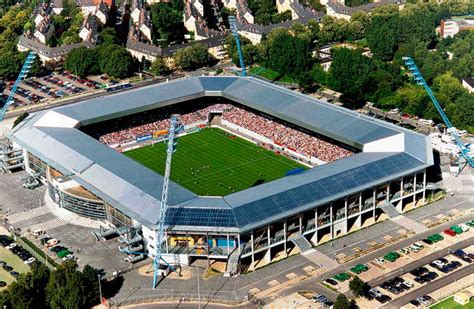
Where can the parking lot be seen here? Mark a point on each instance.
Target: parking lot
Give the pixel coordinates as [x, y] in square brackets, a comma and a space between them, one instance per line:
[407, 282]
[14, 260]
[392, 264]
[43, 89]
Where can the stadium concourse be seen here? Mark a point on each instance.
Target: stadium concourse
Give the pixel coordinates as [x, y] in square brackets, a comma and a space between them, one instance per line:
[360, 168]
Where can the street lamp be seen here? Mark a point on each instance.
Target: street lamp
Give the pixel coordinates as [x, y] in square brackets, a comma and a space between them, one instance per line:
[199, 292]
[100, 292]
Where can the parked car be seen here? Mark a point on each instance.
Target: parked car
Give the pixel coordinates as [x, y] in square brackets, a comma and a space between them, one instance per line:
[379, 261]
[15, 274]
[331, 281]
[30, 261]
[449, 232]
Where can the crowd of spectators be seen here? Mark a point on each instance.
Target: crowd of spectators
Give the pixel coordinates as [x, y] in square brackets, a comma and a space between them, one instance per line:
[127, 129]
[302, 143]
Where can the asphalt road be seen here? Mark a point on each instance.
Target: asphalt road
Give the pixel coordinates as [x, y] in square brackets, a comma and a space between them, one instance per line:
[433, 286]
[312, 283]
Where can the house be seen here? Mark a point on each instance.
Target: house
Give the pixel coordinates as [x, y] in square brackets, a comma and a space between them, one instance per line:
[451, 27]
[144, 24]
[44, 30]
[254, 32]
[102, 12]
[468, 83]
[87, 6]
[89, 29]
[338, 9]
[47, 54]
[243, 12]
[230, 4]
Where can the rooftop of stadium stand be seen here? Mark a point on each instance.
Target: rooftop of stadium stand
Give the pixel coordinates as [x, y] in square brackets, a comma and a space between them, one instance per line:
[387, 152]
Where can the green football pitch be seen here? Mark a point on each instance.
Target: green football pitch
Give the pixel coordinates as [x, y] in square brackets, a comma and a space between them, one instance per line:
[214, 163]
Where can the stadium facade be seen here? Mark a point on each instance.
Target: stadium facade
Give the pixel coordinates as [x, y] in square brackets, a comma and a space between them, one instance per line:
[256, 224]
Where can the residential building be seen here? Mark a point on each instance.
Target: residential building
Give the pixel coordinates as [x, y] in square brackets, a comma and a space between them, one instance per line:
[450, 27]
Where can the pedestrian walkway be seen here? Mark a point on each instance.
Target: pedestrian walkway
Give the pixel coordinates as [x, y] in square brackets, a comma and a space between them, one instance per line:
[410, 224]
[389, 210]
[25, 215]
[302, 243]
[321, 259]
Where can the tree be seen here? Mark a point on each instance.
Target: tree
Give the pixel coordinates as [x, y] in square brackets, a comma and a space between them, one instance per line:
[89, 285]
[9, 66]
[341, 302]
[248, 49]
[192, 57]
[37, 68]
[463, 115]
[20, 119]
[448, 88]
[382, 33]
[82, 61]
[319, 75]
[108, 36]
[159, 67]
[115, 61]
[357, 286]
[167, 23]
[289, 55]
[349, 68]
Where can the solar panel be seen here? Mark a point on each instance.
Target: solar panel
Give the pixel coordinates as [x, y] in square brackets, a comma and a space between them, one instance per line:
[262, 209]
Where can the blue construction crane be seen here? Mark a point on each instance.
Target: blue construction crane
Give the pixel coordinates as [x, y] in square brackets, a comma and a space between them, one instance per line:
[175, 128]
[23, 73]
[235, 33]
[464, 151]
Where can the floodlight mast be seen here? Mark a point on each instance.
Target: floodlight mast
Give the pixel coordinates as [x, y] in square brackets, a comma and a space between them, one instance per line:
[175, 127]
[23, 73]
[235, 33]
[463, 149]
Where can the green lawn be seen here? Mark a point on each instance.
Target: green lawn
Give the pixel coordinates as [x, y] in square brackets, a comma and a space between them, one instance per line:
[449, 303]
[214, 163]
[270, 74]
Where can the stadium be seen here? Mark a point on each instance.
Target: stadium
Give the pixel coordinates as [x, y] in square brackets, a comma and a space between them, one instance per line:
[259, 172]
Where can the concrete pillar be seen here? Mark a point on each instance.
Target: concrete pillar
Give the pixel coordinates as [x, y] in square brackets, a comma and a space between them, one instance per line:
[251, 246]
[347, 215]
[285, 237]
[401, 189]
[424, 186]
[268, 255]
[331, 221]
[166, 243]
[268, 236]
[238, 244]
[414, 190]
[375, 201]
[301, 223]
[388, 192]
[315, 218]
[187, 239]
[314, 238]
[228, 244]
[358, 221]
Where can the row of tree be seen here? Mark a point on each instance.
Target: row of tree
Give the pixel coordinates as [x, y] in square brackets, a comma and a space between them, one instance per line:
[66, 287]
[111, 59]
